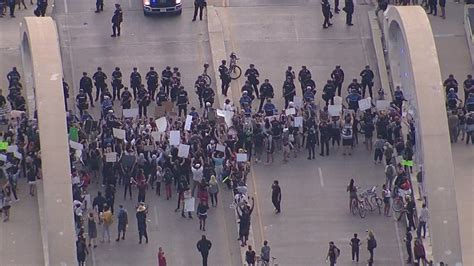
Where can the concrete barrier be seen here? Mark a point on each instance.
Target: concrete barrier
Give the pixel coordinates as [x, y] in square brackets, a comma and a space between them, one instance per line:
[414, 65]
[43, 74]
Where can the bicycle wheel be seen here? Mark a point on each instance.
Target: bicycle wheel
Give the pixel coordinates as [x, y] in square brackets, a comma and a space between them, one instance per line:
[397, 204]
[207, 78]
[368, 205]
[235, 72]
[354, 207]
[398, 215]
[379, 204]
[361, 210]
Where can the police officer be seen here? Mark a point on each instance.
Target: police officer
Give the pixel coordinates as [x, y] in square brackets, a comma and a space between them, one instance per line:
[225, 77]
[399, 97]
[161, 96]
[367, 80]
[85, 84]
[252, 76]
[152, 81]
[288, 92]
[354, 86]
[329, 91]
[449, 83]
[208, 94]
[117, 19]
[266, 92]
[349, 9]
[166, 75]
[143, 101]
[290, 74]
[338, 76]
[13, 76]
[116, 83]
[126, 98]
[66, 93]
[81, 101]
[135, 81]
[200, 84]
[99, 6]
[433, 5]
[198, 5]
[99, 78]
[303, 76]
[325, 134]
[326, 8]
[182, 101]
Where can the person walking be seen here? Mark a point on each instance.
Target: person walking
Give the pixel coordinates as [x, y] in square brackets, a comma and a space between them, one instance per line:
[355, 244]
[92, 230]
[423, 220]
[333, 254]
[386, 200]
[81, 250]
[198, 5]
[202, 214]
[141, 222]
[11, 5]
[371, 245]
[161, 257]
[99, 6]
[250, 256]
[204, 246]
[265, 253]
[349, 9]
[326, 8]
[117, 19]
[107, 220]
[213, 190]
[276, 196]
[408, 238]
[122, 224]
[442, 5]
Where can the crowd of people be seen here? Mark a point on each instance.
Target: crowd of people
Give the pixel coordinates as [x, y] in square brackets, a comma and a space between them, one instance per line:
[193, 153]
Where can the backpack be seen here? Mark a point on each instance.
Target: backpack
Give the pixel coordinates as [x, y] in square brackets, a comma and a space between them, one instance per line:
[337, 252]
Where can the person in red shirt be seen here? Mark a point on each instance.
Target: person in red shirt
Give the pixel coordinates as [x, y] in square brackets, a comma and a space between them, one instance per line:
[161, 257]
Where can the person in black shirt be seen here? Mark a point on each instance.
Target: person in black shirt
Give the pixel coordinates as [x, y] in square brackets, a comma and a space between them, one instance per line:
[182, 101]
[13, 76]
[143, 101]
[325, 135]
[311, 143]
[117, 19]
[266, 92]
[410, 207]
[329, 92]
[166, 75]
[65, 93]
[126, 98]
[250, 256]
[116, 83]
[288, 92]
[225, 77]
[99, 78]
[367, 76]
[99, 202]
[338, 76]
[85, 84]
[198, 5]
[152, 81]
[135, 81]
[252, 77]
[276, 196]
[303, 76]
[203, 246]
[290, 74]
[355, 243]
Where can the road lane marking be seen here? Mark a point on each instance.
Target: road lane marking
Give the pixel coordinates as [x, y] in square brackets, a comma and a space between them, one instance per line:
[65, 7]
[321, 180]
[397, 231]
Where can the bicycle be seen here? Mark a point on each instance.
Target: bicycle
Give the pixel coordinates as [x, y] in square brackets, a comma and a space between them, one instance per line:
[204, 74]
[234, 70]
[373, 200]
[358, 206]
[260, 262]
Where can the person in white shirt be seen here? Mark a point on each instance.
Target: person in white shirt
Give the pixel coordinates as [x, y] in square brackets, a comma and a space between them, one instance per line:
[424, 218]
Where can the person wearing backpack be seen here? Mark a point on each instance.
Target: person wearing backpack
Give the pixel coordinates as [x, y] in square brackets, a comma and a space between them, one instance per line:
[371, 245]
[122, 222]
[333, 254]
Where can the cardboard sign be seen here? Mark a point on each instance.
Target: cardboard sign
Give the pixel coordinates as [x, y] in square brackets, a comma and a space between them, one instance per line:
[118, 133]
[12, 148]
[183, 151]
[220, 147]
[241, 157]
[111, 157]
[168, 106]
[161, 124]
[365, 104]
[382, 105]
[130, 112]
[298, 121]
[189, 121]
[76, 145]
[337, 100]
[149, 147]
[175, 137]
[189, 204]
[335, 110]
[160, 111]
[290, 111]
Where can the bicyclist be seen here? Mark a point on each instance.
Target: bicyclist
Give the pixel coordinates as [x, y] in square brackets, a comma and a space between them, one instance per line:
[352, 189]
[252, 77]
[225, 77]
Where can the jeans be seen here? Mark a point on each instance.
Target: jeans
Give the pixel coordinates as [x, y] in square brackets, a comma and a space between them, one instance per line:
[355, 254]
[105, 230]
[421, 225]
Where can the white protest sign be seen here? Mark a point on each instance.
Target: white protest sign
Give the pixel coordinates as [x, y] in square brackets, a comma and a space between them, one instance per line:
[156, 135]
[12, 148]
[76, 145]
[3, 157]
[241, 157]
[337, 100]
[365, 104]
[148, 147]
[220, 113]
[111, 157]
[189, 121]
[183, 151]
[175, 136]
[382, 105]
[298, 101]
[335, 110]
[228, 118]
[220, 147]
[130, 112]
[161, 124]
[290, 111]
[189, 204]
[298, 121]
[118, 133]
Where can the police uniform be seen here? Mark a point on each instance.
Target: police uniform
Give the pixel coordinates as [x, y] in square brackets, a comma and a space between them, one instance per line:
[135, 82]
[266, 91]
[252, 76]
[81, 101]
[152, 82]
[338, 76]
[143, 101]
[208, 95]
[116, 83]
[200, 84]
[225, 78]
[166, 75]
[85, 84]
[367, 81]
[126, 99]
[99, 78]
[288, 92]
[161, 96]
[182, 102]
[117, 19]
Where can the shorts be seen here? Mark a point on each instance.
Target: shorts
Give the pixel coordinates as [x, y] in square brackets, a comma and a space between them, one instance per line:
[31, 182]
[286, 148]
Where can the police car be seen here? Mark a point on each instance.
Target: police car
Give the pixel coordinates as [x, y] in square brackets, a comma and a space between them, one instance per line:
[162, 7]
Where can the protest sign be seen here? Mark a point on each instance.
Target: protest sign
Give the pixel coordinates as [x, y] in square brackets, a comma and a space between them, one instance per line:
[241, 157]
[161, 124]
[76, 145]
[334, 110]
[183, 151]
[298, 121]
[175, 136]
[365, 104]
[133, 112]
[189, 121]
[111, 157]
[118, 133]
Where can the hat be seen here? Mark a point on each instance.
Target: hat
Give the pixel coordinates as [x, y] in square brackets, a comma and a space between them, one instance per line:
[197, 165]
